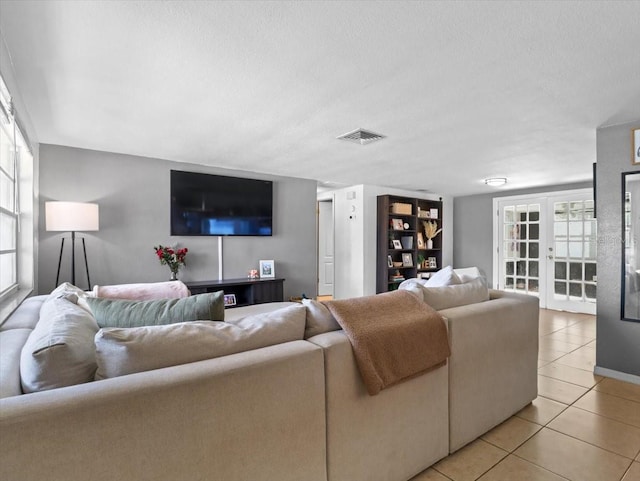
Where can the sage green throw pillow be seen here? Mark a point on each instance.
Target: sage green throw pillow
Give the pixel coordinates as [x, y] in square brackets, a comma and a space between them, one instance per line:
[125, 313]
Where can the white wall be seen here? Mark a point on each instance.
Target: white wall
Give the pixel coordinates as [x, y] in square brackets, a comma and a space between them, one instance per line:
[355, 221]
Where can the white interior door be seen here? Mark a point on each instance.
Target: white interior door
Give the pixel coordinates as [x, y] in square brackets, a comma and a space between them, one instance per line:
[571, 253]
[325, 248]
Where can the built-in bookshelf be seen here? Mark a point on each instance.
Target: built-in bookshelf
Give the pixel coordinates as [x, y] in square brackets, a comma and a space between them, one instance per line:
[404, 250]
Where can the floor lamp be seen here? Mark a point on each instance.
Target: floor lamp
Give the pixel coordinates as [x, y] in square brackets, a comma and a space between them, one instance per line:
[72, 217]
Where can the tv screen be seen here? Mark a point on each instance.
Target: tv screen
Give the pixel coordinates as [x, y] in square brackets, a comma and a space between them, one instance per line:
[205, 204]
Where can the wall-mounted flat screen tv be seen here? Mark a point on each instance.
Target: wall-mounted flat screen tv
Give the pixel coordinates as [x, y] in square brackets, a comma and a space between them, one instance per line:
[205, 204]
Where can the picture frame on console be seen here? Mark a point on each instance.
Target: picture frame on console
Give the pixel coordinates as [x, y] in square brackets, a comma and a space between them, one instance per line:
[267, 269]
[229, 300]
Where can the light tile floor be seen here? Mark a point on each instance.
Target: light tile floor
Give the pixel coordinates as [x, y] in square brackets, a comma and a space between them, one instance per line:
[582, 427]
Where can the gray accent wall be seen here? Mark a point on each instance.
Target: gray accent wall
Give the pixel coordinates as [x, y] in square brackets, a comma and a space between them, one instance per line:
[473, 225]
[133, 195]
[618, 341]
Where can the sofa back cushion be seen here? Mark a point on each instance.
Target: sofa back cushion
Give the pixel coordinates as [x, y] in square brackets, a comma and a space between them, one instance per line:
[319, 319]
[121, 351]
[127, 313]
[456, 295]
[60, 350]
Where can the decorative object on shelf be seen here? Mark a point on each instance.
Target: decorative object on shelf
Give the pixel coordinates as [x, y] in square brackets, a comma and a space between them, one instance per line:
[421, 243]
[400, 208]
[433, 263]
[253, 274]
[389, 261]
[423, 213]
[433, 213]
[72, 217]
[397, 224]
[172, 258]
[406, 226]
[267, 269]
[229, 300]
[397, 244]
[430, 230]
[407, 242]
[397, 264]
[407, 260]
[635, 145]
[421, 261]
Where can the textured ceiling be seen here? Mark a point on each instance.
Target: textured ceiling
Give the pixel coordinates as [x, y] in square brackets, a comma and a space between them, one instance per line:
[462, 90]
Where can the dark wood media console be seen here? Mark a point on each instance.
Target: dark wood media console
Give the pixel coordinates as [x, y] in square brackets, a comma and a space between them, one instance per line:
[247, 291]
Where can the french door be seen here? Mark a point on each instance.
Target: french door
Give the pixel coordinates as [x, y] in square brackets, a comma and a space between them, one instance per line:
[545, 245]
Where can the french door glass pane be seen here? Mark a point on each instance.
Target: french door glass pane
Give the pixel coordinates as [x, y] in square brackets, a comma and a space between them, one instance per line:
[521, 227]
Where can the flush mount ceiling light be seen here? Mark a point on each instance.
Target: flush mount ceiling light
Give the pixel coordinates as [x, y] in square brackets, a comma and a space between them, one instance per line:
[361, 136]
[495, 181]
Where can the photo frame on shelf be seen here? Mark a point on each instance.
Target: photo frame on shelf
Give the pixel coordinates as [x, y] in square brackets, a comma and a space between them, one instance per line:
[635, 146]
[389, 261]
[407, 260]
[397, 244]
[421, 243]
[433, 213]
[433, 263]
[397, 224]
[229, 300]
[267, 269]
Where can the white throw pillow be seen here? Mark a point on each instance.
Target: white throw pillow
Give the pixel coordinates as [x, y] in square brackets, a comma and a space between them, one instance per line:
[444, 277]
[445, 297]
[60, 350]
[121, 351]
[467, 274]
[319, 319]
[414, 286]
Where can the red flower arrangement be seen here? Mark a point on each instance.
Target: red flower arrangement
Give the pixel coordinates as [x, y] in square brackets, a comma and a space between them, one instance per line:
[171, 257]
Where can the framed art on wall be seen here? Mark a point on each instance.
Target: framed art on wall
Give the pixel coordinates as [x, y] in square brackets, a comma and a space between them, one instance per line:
[267, 269]
[635, 146]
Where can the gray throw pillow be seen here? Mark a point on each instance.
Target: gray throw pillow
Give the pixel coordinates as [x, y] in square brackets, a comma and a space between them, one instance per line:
[60, 351]
[125, 313]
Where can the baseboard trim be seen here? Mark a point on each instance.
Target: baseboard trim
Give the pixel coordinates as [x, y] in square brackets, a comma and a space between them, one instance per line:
[620, 376]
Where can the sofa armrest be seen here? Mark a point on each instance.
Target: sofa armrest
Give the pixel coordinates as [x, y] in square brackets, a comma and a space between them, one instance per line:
[254, 415]
[493, 365]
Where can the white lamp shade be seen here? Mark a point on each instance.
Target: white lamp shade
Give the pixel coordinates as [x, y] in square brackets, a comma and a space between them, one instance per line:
[71, 216]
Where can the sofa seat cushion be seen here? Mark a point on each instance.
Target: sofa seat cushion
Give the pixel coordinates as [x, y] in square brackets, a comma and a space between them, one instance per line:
[456, 295]
[121, 351]
[11, 343]
[60, 350]
[127, 313]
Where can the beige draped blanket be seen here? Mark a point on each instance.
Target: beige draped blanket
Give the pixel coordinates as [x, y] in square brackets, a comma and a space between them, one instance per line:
[395, 336]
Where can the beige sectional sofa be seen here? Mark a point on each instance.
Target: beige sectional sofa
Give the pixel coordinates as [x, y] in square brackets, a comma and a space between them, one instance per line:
[292, 411]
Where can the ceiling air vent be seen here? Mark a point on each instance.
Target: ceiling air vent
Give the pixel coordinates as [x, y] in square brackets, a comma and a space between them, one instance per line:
[361, 136]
